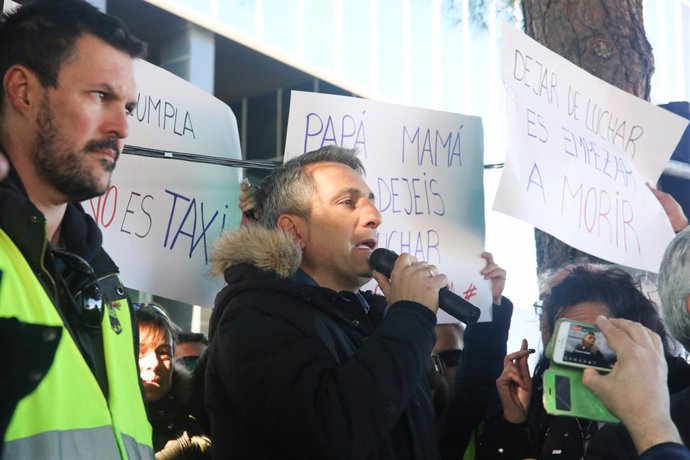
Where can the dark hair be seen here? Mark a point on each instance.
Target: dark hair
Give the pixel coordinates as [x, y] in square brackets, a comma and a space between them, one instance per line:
[614, 288]
[42, 34]
[185, 337]
[288, 189]
[154, 323]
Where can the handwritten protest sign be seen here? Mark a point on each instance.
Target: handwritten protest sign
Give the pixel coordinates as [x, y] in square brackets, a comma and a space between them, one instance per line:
[425, 168]
[579, 154]
[161, 215]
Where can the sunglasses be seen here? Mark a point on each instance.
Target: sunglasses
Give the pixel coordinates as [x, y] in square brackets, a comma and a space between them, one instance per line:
[450, 358]
[81, 284]
[138, 306]
[189, 362]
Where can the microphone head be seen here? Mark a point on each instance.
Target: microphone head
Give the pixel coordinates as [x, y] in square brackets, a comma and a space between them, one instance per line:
[382, 260]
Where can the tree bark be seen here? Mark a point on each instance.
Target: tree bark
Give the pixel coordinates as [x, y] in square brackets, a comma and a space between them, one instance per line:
[605, 38]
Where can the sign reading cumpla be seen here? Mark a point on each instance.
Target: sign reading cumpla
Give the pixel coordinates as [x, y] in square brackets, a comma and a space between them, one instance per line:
[161, 215]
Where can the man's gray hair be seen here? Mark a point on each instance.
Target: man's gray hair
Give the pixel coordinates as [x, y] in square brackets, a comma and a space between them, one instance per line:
[674, 287]
[289, 188]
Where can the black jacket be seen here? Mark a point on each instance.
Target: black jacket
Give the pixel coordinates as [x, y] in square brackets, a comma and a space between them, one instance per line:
[174, 418]
[541, 436]
[680, 413]
[547, 436]
[301, 371]
[474, 386]
[615, 443]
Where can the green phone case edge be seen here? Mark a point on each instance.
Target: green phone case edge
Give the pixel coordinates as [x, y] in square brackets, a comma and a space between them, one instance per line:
[584, 403]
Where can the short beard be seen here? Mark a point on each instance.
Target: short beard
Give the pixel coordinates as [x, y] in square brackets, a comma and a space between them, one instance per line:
[62, 167]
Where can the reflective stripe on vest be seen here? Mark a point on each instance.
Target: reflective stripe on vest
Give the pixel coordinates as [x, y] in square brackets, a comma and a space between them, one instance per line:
[89, 443]
[67, 416]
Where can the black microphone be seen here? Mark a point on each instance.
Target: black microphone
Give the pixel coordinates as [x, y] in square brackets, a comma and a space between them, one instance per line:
[382, 260]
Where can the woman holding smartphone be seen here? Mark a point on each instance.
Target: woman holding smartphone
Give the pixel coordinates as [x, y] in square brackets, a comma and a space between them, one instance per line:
[521, 427]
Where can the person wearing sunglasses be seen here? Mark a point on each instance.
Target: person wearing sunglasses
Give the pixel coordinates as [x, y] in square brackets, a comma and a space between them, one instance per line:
[69, 386]
[177, 433]
[190, 347]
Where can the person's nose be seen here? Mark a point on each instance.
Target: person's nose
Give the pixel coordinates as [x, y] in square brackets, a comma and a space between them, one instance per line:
[372, 216]
[149, 360]
[117, 122]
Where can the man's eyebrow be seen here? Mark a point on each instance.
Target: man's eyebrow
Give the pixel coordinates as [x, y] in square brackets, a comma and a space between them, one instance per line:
[355, 191]
[108, 88]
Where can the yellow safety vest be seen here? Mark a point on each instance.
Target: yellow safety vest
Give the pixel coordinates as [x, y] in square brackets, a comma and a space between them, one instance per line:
[67, 416]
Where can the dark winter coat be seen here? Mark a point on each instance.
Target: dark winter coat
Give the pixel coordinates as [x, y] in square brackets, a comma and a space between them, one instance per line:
[174, 418]
[474, 386]
[615, 443]
[680, 413]
[301, 371]
[545, 436]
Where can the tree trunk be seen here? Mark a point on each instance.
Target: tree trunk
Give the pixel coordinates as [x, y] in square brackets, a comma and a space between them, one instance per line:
[607, 39]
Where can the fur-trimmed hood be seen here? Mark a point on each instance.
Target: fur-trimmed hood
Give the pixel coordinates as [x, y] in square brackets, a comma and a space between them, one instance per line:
[266, 249]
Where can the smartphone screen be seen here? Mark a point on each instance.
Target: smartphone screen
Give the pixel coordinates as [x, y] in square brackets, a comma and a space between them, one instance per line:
[583, 346]
[562, 393]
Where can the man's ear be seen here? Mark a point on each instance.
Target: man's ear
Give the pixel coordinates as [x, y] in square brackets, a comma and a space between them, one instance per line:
[687, 304]
[21, 88]
[293, 225]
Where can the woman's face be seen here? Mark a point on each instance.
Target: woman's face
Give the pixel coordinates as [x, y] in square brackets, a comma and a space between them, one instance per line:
[155, 363]
[585, 312]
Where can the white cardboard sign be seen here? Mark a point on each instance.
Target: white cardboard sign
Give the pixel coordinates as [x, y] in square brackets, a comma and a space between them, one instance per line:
[579, 153]
[426, 170]
[161, 216]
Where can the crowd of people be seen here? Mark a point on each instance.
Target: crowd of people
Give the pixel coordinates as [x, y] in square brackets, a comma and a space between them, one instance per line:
[300, 362]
